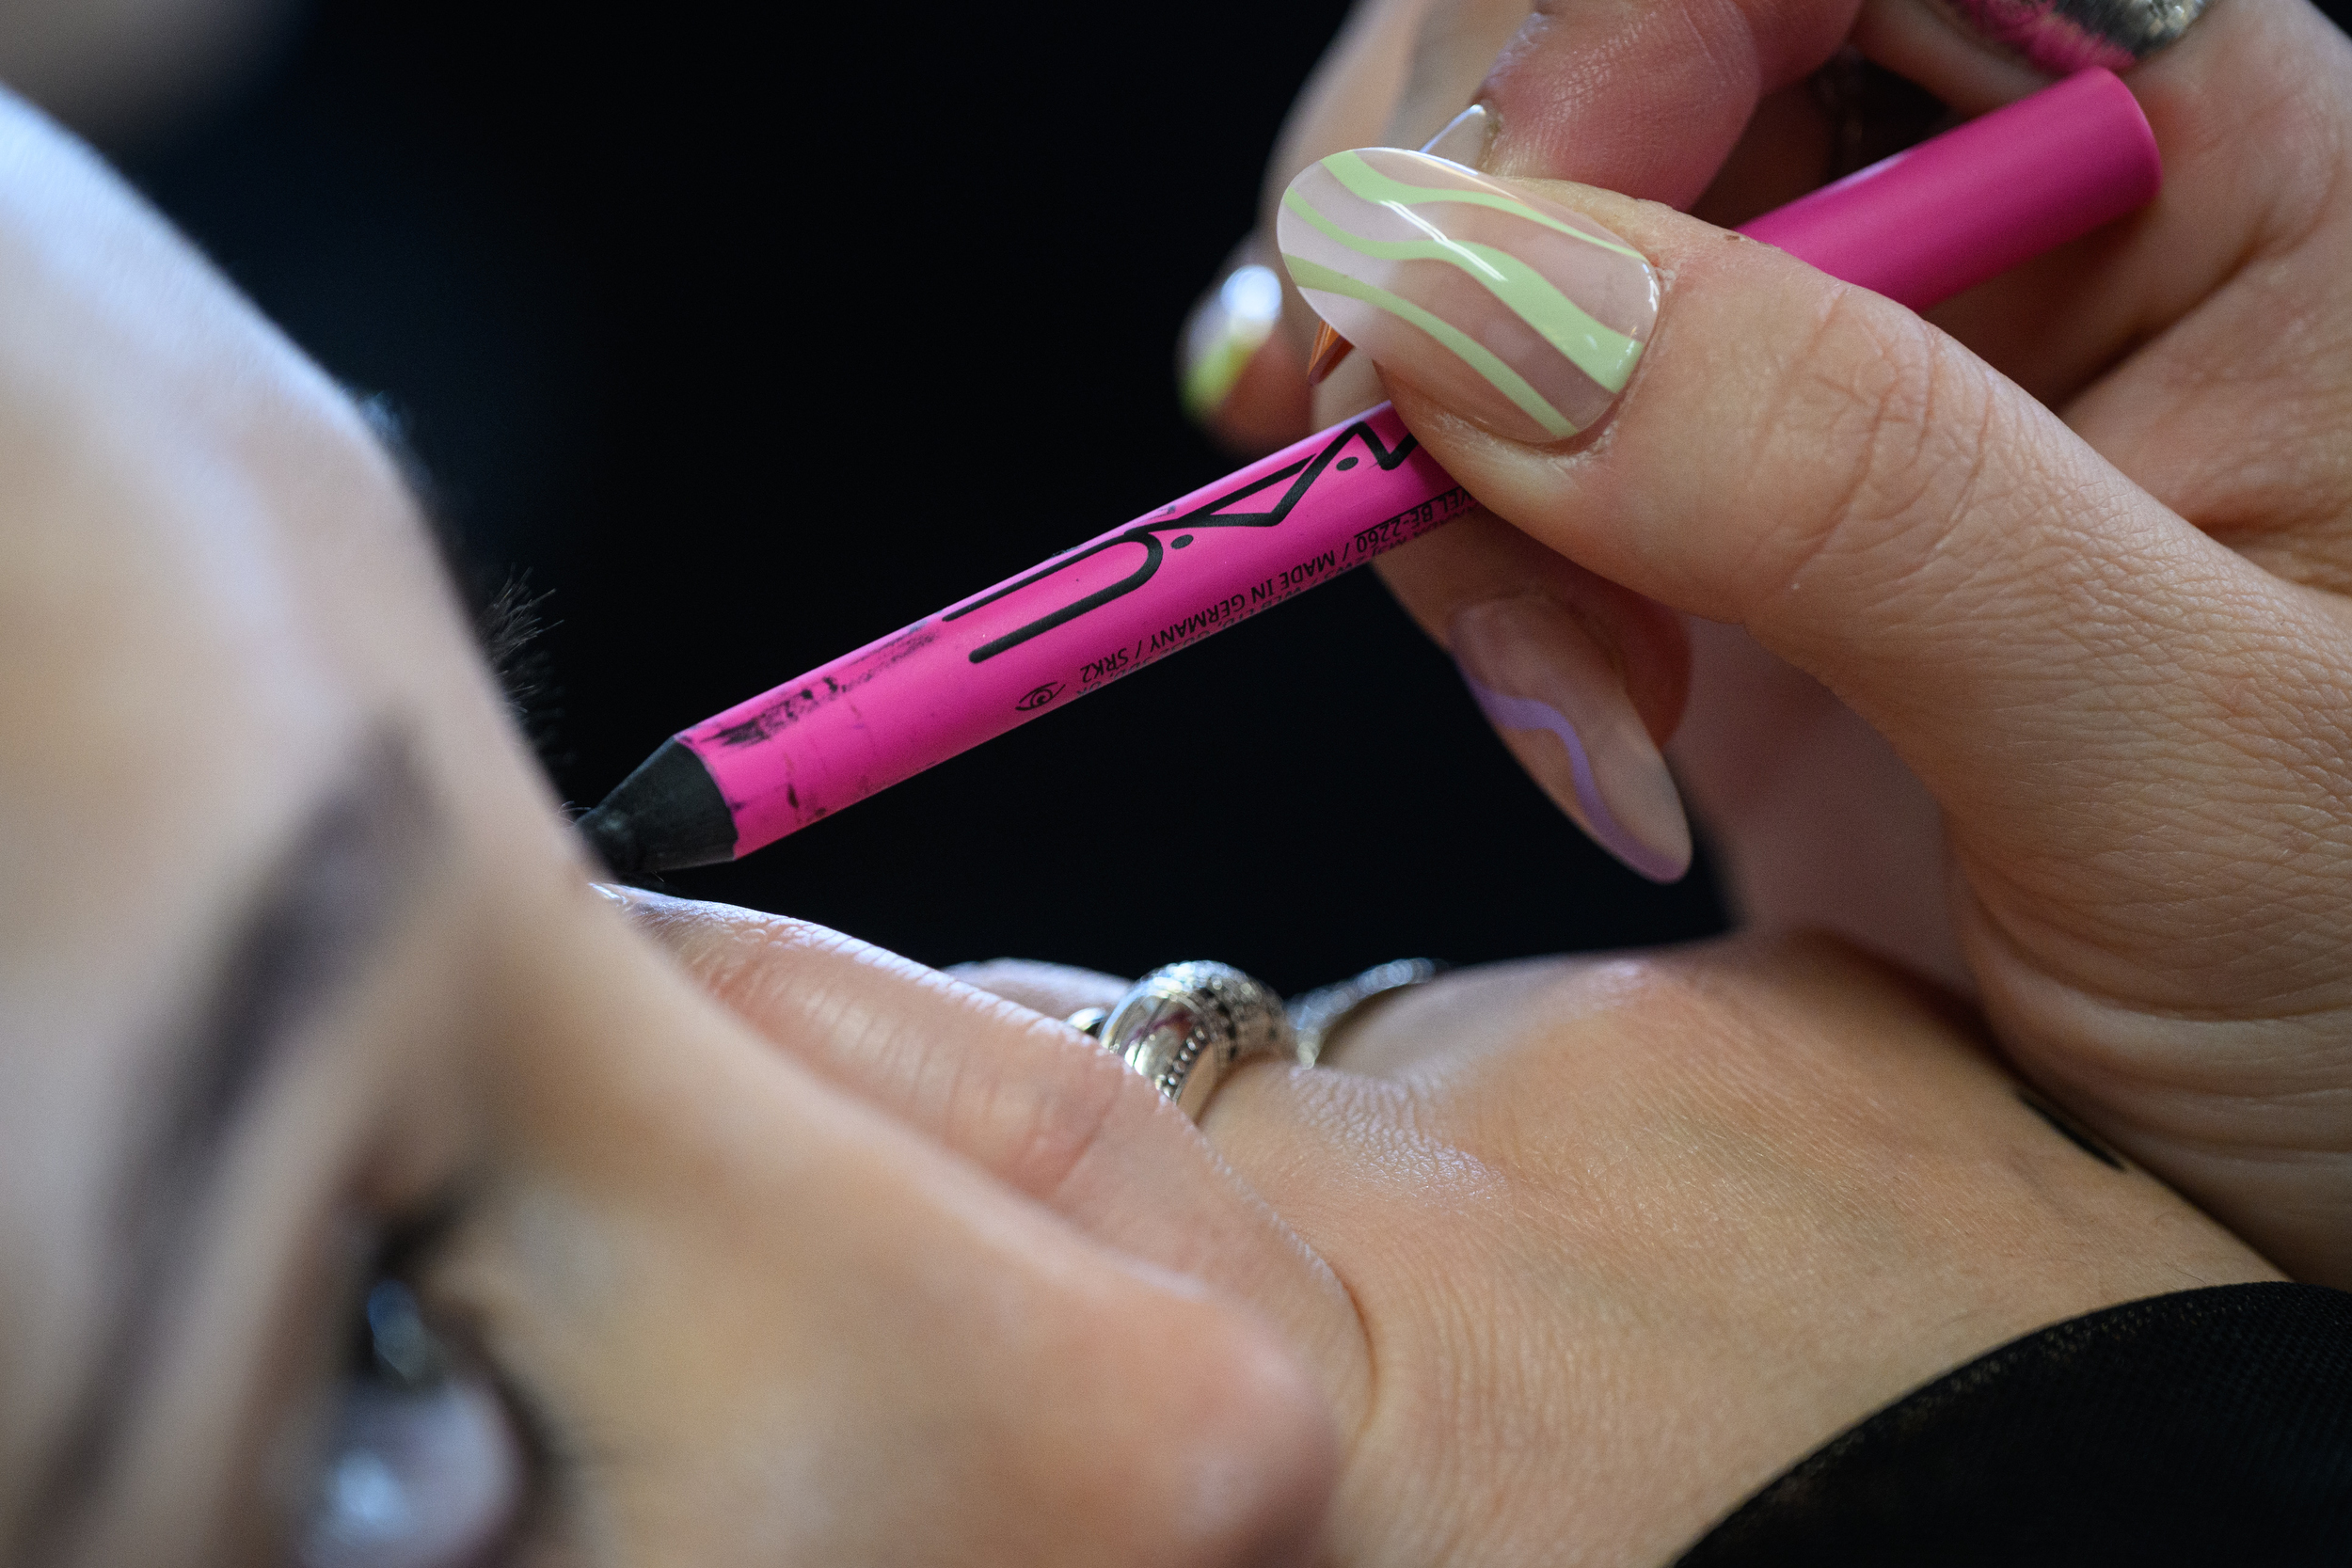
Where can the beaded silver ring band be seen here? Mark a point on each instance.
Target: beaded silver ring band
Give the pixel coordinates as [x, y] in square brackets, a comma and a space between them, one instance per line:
[1186, 1026]
[2062, 36]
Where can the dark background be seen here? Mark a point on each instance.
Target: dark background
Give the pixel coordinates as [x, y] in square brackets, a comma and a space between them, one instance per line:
[753, 334]
[751, 346]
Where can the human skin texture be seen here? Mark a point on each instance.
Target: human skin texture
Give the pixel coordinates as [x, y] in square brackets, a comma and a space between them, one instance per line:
[2020, 637]
[744, 1242]
[1619, 1239]
[302, 982]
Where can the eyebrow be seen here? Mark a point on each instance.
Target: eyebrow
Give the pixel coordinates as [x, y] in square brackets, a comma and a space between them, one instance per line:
[309, 930]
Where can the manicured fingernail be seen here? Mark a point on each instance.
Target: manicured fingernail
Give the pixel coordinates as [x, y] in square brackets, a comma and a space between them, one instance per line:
[1464, 141]
[1225, 329]
[1559, 704]
[1516, 314]
[1465, 138]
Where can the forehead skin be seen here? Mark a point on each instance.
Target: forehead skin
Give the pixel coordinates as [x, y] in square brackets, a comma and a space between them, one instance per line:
[213, 589]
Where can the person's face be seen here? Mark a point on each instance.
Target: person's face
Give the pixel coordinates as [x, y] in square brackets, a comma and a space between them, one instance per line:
[370, 1193]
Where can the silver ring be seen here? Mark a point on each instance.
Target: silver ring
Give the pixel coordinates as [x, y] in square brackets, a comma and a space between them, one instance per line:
[1318, 1015]
[1185, 1025]
[2061, 37]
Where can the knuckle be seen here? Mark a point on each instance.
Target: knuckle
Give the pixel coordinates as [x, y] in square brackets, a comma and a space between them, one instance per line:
[1055, 1123]
[1886, 425]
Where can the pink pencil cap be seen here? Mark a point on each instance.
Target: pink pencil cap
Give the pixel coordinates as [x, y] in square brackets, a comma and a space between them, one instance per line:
[1967, 205]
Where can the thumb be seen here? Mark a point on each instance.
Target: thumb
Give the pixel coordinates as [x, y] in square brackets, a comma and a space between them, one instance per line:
[2103, 700]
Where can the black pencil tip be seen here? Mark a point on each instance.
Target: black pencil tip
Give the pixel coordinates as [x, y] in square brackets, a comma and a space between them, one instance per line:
[666, 816]
[611, 835]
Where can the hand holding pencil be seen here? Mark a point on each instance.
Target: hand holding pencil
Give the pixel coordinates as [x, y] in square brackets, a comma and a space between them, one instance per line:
[2048, 592]
[1553, 313]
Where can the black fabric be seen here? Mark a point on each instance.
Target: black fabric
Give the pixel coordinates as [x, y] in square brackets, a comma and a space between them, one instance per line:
[2212, 1426]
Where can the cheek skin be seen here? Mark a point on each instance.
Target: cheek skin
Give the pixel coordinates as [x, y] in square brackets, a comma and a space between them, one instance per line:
[784, 1327]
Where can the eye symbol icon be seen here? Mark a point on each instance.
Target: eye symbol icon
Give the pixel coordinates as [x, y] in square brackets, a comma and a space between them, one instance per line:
[1040, 697]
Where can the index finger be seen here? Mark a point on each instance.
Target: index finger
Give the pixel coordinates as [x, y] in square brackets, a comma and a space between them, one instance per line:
[1035, 1104]
[2248, 107]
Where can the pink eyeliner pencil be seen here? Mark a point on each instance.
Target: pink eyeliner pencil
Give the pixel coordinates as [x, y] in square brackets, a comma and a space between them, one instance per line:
[1918, 228]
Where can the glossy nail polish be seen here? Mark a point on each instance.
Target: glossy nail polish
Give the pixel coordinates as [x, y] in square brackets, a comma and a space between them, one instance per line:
[1521, 315]
[1556, 698]
[1465, 138]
